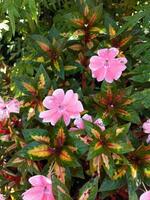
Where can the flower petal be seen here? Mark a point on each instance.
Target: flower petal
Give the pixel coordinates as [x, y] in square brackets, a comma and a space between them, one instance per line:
[87, 117]
[13, 106]
[1, 197]
[96, 62]
[39, 180]
[145, 196]
[99, 74]
[122, 60]
[49, 103]
[34, 193]
[146, 126]
[108, 53]
[51, 116]
[70, 97]
[59, 95]
[66, 118]
[4, 114]
[78, 122]
[114, 71]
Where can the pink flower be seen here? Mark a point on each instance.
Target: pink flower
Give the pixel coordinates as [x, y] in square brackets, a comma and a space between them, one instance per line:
[61, 105]
[146, 126]
[8, 107]
[1, 197]
[79, 122]
[146, 129]
[145, 196]
[105, 66]
[41, 189]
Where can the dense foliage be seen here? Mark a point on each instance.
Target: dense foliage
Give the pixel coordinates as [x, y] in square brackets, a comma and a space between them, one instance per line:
[47, 45]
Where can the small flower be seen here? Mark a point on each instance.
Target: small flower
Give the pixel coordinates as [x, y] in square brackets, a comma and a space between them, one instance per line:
[12, 106]
[146, 129]
[79, 122]
[41, 189]
[145, 196]
[105, 66]
[1, 197]
[61, 105]
[146, 126]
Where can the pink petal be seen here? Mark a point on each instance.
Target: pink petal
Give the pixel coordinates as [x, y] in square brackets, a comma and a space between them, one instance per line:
[66, 118]
[99, 123]
[113, 52]
[1, 197]
[49, 102]
[51, 116]
[59, 95]
[103, 53]
[69, 98]
[87, 117]
[75, 109]
[114, 71]
[148, 139]
[4, 114]
[146, 126]
[39, 180]
[96, 62]
[48, 196]
[122, 60]
[35, 193]
[108, 53]
[13, 106]
[74, 106]
[78, 122]
[145, 196]
[99, 74]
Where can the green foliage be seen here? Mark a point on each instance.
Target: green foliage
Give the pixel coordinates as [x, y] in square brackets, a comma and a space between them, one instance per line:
[46, 45]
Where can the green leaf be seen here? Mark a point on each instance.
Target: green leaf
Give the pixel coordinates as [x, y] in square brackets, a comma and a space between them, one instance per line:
[129, 115]
[92, 129]
[39, 135]
[120, 147]
[131, 187]
[67, 158]
[42, 42]
[42, 79]
[108, 87]
[32, 6]
[131, 21]
[96, 148]
[141, 74]
[142, 97]
[108, 163]
[60, 190]
[12, 13]
[25, 85]
[122, 131]
[109, 184]
[75, 140]
[89, 190]
[35, 151]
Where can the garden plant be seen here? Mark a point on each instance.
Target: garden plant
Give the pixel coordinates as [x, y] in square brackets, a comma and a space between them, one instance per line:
[74, 100]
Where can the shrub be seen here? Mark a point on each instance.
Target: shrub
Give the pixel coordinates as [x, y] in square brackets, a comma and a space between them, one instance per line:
[74, 107]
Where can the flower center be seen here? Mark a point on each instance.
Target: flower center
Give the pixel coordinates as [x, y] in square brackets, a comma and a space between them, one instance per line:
[46, 190]
[61, 108]
[106, 64]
